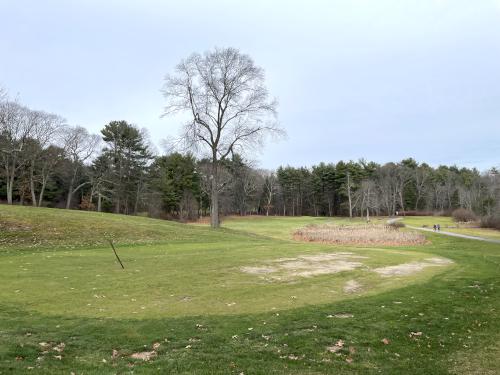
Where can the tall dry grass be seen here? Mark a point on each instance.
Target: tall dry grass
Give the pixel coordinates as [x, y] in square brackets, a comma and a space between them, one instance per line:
[369, 234]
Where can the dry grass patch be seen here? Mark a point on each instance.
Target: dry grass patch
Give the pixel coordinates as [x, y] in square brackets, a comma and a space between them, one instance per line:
[284, 269]
[412, 267]
[359, 235]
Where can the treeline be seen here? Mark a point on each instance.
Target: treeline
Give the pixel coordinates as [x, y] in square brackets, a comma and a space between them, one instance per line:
[46, 162]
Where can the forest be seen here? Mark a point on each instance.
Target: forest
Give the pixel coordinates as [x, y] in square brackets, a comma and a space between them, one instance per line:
[46, 162]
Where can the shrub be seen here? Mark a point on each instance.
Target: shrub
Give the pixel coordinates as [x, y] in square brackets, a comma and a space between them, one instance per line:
[462, 215]
[491, 221]
[396, 224]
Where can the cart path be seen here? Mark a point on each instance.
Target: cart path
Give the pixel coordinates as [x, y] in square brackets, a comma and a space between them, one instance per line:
[451, 234]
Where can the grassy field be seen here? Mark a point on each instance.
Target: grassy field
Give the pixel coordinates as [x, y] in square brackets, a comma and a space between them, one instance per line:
[447, 224]
[187, 292]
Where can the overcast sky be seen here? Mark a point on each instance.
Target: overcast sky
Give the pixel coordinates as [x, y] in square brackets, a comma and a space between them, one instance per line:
[380, 80]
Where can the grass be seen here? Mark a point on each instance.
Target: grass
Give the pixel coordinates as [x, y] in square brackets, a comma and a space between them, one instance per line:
[449, 225]
[210, 317]
[283, 228]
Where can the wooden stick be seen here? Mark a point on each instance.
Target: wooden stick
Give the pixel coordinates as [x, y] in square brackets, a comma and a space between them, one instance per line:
[114, 250]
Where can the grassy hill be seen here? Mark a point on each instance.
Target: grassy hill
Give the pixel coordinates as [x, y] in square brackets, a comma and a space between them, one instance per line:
[232, 300]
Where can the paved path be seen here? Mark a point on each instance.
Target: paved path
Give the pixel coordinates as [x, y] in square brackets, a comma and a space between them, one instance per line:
[390, 221]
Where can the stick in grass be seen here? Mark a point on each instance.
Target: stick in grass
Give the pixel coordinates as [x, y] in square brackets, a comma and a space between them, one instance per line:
[114, 250]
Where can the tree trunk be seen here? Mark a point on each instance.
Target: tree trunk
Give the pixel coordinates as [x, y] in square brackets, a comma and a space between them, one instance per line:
[42, 191]
[136, 204]
[214, 207]
[32, 184]
[70, 195]
[69, 198]
[9, 191]
[349, 194]
[99, 202]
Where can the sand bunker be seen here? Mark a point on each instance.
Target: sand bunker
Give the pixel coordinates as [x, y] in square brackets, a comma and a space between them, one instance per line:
[405, 269]
[359, 234]
[306, 266]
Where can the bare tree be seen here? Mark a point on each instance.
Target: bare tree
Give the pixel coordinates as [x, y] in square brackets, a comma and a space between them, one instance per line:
[270, 189]
[422, 176]
[49, 159]
[15, 132]
[79, 146]
[348, 188]
[45, 130]
[3, 94]
[228, 105]
[369, 198]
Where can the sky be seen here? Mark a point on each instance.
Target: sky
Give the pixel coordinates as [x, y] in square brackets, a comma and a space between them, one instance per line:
[380, 80]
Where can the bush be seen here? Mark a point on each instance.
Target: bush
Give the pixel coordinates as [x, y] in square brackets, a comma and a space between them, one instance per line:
[396, 224]
[461, 215]
[490, 222]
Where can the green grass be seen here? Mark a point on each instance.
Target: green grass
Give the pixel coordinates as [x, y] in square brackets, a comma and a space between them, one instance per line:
[283, 228]
[449, 225]
[183, 287]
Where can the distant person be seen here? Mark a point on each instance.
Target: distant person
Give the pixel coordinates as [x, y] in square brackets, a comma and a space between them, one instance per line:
[438, 227]
[435, 227]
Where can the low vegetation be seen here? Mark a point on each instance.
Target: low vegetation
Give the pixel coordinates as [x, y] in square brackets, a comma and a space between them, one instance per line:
[387, 235]
[186, 302]
[491, 221]
[462, 215]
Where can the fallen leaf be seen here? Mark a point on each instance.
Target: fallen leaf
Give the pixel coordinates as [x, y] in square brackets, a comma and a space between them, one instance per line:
[156, 345]
[386, 341]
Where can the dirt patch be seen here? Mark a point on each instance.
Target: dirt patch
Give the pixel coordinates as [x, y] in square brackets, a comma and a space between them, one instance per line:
[258, 270]
[439, 261]
[341, 316]
[352, 286]
[306, 266]
[145, 356]
[370, 234]
[405, 269]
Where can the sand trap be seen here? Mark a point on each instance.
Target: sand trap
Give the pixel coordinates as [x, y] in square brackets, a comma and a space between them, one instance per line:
[306, 266]
[405, 269]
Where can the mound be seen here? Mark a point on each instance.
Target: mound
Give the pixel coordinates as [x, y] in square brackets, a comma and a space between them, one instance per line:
[31, 228]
